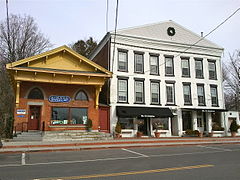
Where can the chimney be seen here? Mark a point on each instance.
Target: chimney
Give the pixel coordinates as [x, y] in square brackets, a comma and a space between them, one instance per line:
[201, 34]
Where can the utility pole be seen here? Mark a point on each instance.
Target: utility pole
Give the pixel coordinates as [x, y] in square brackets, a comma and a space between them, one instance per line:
[10, 58]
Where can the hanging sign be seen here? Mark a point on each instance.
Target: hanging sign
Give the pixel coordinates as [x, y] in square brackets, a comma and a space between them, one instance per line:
[59, 99]
[21, 111]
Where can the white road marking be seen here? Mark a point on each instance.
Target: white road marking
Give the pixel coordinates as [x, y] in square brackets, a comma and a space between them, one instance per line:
[215, 148]
[112, 159]
[134, 152]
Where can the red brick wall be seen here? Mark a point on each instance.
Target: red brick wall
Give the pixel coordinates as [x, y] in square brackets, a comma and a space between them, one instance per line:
[60, 90]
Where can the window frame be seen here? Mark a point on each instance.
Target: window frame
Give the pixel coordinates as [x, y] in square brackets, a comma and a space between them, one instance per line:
[156, 56]
[122, 79]
[170, 84]
[202, 73]
[135, 60]
[204, 98]
[190, 93]
[214, 87]
[69, 115]
[159, 95]
[188, 68]
[81, 91]
[143, 92]
[125, 52]
[172, 62]
[215, 70]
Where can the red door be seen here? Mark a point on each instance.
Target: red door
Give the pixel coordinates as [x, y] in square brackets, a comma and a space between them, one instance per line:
[34, 117]
[104, 119]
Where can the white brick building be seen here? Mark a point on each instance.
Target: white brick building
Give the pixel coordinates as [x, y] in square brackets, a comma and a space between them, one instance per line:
[160, 76]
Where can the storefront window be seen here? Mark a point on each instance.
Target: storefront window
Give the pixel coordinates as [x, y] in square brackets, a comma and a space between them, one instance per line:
[126, 123]
[69, 115]
[160, 123]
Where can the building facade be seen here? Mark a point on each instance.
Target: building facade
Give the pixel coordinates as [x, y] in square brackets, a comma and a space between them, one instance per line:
[162, 79]
[57, 91]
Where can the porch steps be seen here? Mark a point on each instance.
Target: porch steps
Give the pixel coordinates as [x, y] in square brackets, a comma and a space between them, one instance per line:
[74, 135]
[28, 136]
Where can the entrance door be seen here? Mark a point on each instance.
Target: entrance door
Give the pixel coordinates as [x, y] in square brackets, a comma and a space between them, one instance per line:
[144, 126]
[34, 117]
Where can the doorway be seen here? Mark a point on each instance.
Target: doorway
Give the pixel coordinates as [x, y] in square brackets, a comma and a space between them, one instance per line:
[144, 126]
[34, 118]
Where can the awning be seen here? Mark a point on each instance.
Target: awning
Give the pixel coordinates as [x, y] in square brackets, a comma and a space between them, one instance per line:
[131, 112]
[206, 109]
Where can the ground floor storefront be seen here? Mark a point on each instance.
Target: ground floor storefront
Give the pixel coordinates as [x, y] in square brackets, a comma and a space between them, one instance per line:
[58, 91]
[180, 122]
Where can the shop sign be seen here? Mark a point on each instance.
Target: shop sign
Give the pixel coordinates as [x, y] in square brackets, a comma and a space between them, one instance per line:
[149, 116]
[59, 99]
[21, 111]
[21, 116]
[208, 110]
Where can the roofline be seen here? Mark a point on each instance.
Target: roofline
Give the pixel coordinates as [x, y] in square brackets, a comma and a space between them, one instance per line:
[100, 45]
[56, 50]
[156, 40]
[145, 25]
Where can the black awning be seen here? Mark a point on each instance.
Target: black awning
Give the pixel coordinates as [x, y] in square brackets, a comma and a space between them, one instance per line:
[131, 112]
[206, 109]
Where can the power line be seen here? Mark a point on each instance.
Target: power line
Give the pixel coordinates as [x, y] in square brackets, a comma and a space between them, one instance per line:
[115, 32]
[107, 16]
[203, 36]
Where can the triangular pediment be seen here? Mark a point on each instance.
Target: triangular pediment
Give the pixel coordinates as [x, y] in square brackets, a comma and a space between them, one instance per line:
[159, 31]
[62, 58]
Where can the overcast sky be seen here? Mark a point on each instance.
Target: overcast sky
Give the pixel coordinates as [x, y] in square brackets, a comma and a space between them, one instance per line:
[66, 21]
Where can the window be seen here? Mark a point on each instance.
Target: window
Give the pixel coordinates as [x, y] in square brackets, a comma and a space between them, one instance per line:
[212, 70]
[169, 71]
[200, 93]
[139, 63]
[186, 120]
[154, 65]
[81, 96]
[155, 95]
[187, 93]
[62, 115]
[199, 68]
[35, 93]
[199, 119]
[126, 123]
[214, 96]
[162, 123]
[122, 90]
[139, 91]
[122, 61]
[170, 93]
[185, 68]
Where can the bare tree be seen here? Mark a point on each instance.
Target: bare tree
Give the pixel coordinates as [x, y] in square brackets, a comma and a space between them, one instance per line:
[231, 77]
[19, 40]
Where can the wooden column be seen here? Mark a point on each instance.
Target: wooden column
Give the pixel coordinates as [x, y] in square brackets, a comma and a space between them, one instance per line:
[17, 93]
[98, 90]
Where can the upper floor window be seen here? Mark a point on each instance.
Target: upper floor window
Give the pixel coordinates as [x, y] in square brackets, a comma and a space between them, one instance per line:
[169, 67]
[81, 96]
[35, 93]
[200, 93]
[139, 91]
[185, 68]
[154, 70]
[170, 93]
[214, 95]
[199, 68]
[123, 90]
[122, 61]
[155, 92]
[139, 64]
[187, 93]
[212, 70]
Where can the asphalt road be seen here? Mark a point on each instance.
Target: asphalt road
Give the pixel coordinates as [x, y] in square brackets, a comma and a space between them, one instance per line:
[211, 162]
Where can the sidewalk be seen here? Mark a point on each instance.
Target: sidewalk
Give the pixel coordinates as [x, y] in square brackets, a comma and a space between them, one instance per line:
[38, 146]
